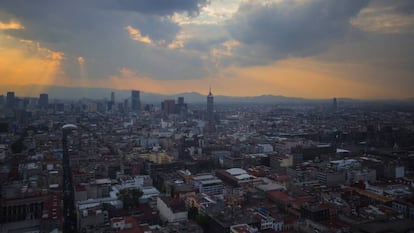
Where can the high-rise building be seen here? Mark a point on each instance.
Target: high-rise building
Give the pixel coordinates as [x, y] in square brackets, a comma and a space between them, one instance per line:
[110, 105]
[181, 108]
[1, 100]
[334, 105]
[43, 101]
[113, 97]
[135, 101]
[180, 100]
[168, 107]
[10, 99]
[210, 110]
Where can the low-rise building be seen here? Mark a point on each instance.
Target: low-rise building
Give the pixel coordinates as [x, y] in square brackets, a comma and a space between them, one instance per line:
[208, 184]
[243, 228]
[171, 210]
[404, 206]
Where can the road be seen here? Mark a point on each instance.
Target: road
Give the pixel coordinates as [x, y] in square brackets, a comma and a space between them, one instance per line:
[69, 211]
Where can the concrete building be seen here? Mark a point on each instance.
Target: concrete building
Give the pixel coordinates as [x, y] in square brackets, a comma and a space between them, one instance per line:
[315, 211]
[171, 210]
[232, 160]
[404, 206]
[331, 177]
[208, 184]
[237, 177]
[168, 107]
[180, 227]
[10, 99]
[91, 217]
[345, 164]
[394, 170]
[43, 101]
[353, 176]
[243, 228]
[221, 218]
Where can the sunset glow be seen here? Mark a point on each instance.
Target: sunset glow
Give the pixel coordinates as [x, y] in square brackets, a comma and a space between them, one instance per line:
[239, 47]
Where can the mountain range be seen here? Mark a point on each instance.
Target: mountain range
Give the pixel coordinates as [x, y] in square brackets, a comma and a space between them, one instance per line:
[74, 93]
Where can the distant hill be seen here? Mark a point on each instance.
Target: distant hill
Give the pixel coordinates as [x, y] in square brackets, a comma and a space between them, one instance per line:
[75, 93]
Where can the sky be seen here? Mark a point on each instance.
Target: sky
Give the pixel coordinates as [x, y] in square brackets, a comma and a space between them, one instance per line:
[301, 48]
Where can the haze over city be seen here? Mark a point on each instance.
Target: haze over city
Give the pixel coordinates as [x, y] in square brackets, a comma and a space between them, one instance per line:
[298, 48]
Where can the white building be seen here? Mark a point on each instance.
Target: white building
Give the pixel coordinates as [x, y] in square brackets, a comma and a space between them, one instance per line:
[171, 210]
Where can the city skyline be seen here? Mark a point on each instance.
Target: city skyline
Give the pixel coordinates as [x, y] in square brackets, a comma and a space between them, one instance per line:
[357, 49]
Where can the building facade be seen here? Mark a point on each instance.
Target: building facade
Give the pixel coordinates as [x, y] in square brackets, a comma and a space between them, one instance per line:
[135, 100]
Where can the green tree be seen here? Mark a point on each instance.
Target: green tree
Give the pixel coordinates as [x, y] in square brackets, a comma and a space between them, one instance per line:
[130, 197]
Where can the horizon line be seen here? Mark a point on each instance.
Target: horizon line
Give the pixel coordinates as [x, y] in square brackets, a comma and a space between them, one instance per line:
[198, 93]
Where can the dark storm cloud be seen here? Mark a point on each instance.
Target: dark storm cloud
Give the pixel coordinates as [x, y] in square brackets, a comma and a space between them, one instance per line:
[51, 20]
[157, 28]
[290, 28]
[405, 7]
[96, 31]
[162, 7]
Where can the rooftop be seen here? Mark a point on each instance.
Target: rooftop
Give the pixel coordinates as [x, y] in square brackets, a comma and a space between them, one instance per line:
[236, 171]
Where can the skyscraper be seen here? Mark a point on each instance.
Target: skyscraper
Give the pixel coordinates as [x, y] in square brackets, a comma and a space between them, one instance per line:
[168, 107]
[334, 105]
[10, 99]
[43, 101]
[180, 100]
[135, 101]
[1, 100]
[210, 110]
[181, 108]
[113, 97]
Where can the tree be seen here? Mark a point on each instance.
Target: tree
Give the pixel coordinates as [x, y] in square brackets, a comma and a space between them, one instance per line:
[130, 197]
[18, 146]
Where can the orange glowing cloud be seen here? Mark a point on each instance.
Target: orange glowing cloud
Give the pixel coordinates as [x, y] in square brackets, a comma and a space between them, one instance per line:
[81, 60]
[128, 79]
[25, 62]
[136, 35]
[12, 25]
[308, 78]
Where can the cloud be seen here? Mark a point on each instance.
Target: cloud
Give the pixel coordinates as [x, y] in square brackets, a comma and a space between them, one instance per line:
[398, 6]
[383, 16]
[106, 32]
[162, 7]
[157, 28]
[128, 78]
[12, 25]
[136, 35]
[81, 60]
[25, 62]
[162, 42]
[291, 28]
